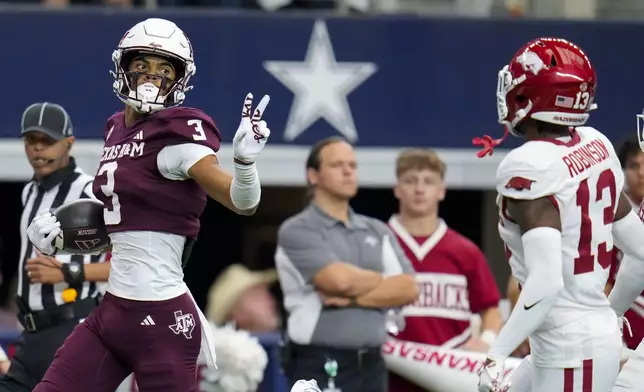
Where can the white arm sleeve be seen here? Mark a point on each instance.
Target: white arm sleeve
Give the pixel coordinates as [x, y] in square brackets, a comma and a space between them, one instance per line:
[542, 250]
[174, 162]
[245, 190]
[628, 234]
[522, 177]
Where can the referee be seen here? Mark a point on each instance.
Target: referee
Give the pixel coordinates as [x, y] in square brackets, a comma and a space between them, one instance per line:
[340, 272]
[54, 294]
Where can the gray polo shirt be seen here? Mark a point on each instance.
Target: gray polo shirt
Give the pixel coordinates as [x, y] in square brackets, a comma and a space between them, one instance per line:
[311, 240]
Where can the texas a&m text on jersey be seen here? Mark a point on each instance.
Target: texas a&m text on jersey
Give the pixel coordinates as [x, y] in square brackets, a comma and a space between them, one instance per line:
[159, 163]
[135, 163]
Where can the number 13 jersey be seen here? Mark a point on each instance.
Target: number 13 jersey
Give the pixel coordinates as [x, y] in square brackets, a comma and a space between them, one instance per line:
[151, 204]
[582, 176]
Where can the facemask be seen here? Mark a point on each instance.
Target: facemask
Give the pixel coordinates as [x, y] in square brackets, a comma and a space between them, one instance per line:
[148, 94]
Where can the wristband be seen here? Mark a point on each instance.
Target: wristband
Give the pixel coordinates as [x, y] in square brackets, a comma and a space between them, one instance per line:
[245, 190]
[73, 272]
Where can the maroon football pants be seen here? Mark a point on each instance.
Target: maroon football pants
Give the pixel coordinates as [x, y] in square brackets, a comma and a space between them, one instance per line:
[158, 341]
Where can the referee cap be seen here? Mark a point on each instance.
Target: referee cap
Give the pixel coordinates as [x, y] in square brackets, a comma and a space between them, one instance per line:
[48, 118]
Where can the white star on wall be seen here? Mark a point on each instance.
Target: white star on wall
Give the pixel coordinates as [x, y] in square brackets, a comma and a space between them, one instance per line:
[321, 86]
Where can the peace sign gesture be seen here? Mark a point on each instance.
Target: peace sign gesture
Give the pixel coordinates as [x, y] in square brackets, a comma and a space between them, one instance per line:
[252, 133]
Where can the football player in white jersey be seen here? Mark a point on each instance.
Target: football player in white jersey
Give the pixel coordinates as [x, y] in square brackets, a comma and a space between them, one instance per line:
[628, 286]
[561, 206]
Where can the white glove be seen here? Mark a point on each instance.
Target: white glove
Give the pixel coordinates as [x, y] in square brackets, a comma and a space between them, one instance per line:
[306, 386]
[251, 136]
[42, 231]
[491, 377]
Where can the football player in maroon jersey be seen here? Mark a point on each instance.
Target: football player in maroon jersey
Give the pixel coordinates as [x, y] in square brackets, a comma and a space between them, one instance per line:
[158, 166]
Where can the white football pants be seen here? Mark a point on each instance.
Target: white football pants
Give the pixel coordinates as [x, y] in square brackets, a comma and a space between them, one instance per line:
[631, 378]
[595, 375]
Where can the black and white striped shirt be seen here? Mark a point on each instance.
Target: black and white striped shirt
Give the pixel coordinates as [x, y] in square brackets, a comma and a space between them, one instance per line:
[67, 184]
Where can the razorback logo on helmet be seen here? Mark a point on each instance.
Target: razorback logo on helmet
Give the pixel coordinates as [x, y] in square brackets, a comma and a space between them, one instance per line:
[531, 62]
[519, 183]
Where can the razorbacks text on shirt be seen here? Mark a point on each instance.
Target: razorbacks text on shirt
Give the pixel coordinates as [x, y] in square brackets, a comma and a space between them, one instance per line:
[65, 185]
[454, 281]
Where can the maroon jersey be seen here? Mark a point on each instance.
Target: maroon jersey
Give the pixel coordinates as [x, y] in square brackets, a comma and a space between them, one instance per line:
[136, 195]
[454, 281]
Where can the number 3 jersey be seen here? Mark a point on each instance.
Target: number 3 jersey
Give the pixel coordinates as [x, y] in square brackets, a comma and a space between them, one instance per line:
[151, 204]
[582, 176]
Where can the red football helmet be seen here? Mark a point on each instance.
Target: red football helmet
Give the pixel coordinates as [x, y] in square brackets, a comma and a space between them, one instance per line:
[549, 79]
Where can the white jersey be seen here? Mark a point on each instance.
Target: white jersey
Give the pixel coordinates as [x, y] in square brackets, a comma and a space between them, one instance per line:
[582, 176]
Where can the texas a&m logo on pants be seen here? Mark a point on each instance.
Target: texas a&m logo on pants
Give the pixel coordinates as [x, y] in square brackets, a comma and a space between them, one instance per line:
[185, 323]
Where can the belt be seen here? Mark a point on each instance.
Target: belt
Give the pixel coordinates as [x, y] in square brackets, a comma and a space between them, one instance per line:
[43, 319]
[347, 356]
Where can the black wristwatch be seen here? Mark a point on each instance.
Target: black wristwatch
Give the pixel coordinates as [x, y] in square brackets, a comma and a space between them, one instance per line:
[73, 272]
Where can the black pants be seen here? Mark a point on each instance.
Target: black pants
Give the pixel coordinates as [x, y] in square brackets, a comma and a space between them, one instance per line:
[358, 371]
[34, 353]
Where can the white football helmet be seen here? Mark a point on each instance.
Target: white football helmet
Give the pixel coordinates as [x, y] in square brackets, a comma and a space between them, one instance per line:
[158, 37]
